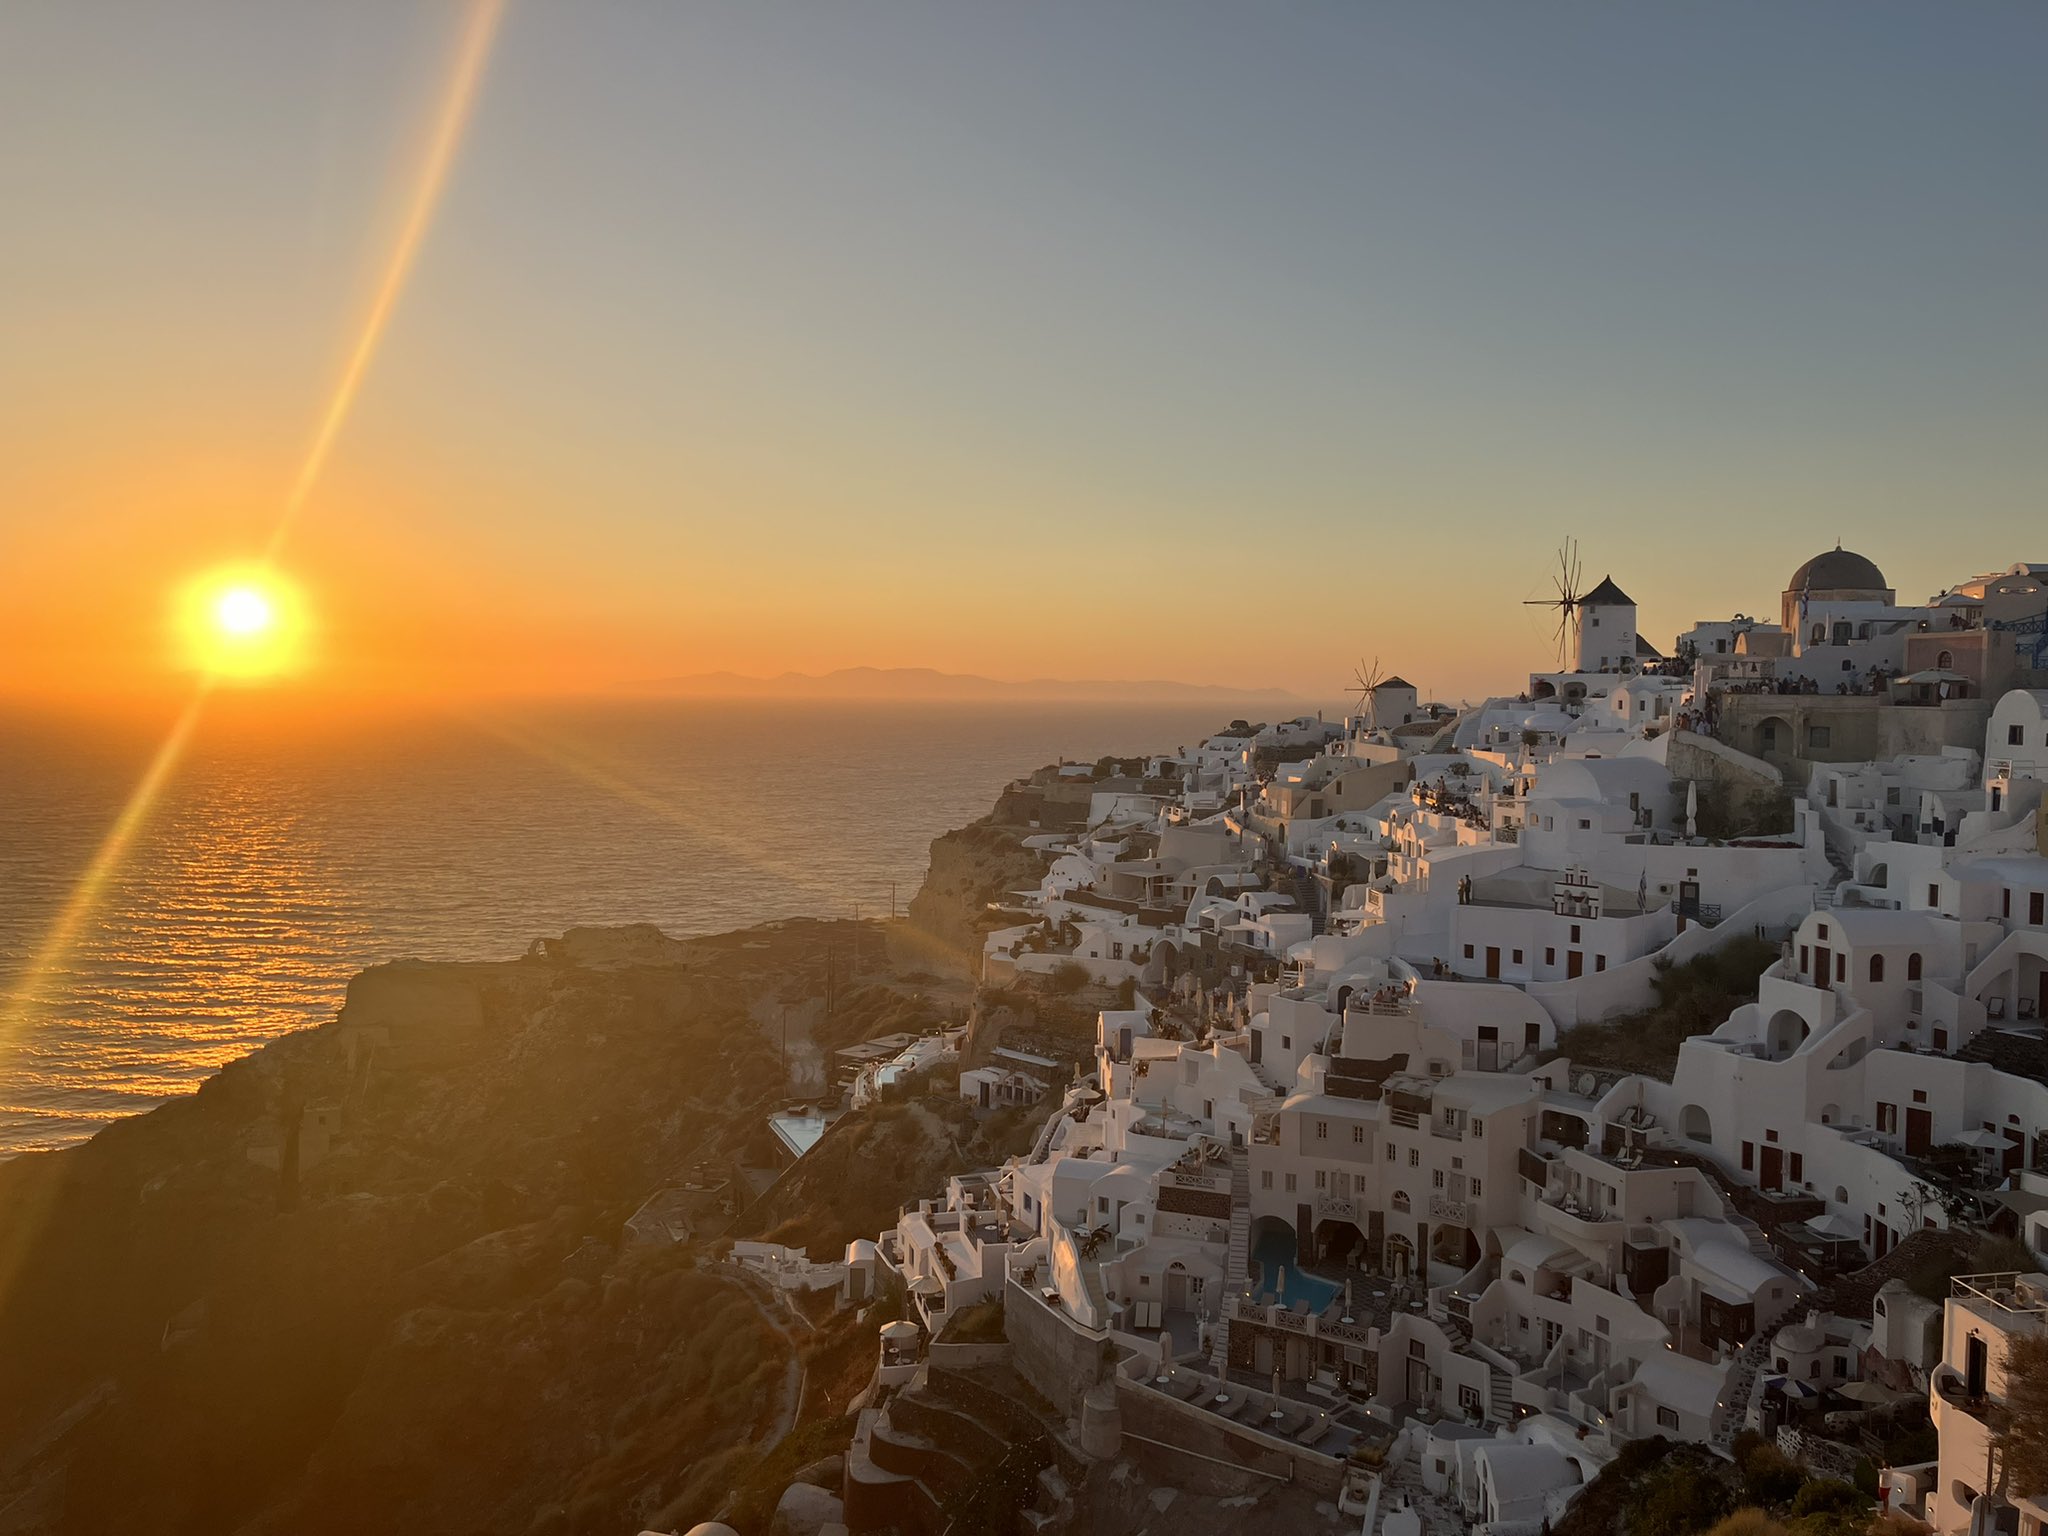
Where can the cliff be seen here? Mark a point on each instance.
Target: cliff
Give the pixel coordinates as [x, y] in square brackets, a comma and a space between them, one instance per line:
[970, 868]
[375, 1275]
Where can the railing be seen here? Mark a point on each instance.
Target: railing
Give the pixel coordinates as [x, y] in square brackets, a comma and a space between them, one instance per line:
[1338, 1208]
[1246, 1309]
[1443, 1208]
[1407, 1119]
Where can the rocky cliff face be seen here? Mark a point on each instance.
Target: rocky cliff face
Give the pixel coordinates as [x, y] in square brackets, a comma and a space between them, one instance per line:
[970, 868]
[357, 1284]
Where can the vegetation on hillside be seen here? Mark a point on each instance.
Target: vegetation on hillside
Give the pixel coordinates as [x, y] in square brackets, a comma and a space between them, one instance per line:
[1693, 998]
[1657, 1488]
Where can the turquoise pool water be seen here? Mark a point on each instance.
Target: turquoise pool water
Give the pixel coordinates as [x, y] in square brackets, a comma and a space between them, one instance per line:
[1273, 1256]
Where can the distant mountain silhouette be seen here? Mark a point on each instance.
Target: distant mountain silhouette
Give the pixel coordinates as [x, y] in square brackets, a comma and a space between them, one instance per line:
[924, 683]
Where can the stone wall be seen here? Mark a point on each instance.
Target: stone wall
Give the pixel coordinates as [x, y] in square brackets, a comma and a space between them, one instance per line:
[1251, 1461]
[1053, 1352]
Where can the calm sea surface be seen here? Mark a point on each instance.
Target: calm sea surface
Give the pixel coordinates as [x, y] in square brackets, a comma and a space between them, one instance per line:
[279, 860]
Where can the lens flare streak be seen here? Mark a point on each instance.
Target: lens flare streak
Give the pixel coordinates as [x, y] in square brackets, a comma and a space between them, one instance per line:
[471, 57]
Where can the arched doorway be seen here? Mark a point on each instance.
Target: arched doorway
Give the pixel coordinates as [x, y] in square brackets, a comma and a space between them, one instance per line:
[1786, 1032]
[1694, 1125]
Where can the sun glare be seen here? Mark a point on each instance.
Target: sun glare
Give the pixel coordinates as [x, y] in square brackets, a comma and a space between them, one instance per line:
[244, 624]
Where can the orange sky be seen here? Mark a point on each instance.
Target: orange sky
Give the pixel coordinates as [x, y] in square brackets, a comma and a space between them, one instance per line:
[734, 343]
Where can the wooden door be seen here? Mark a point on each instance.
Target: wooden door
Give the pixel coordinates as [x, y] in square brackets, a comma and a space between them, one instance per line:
[1919, 1129]
[1574, 964]
[1493, 962]
[1823, 966]
[1771, 1168]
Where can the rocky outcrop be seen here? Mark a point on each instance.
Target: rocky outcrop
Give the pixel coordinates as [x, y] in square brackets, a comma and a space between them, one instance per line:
[969, 869]
[443, 1329]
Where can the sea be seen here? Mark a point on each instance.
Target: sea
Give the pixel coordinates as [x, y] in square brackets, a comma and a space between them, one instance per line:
[283, 854]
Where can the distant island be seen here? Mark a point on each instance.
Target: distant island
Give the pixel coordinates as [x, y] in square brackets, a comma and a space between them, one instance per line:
[925, 683]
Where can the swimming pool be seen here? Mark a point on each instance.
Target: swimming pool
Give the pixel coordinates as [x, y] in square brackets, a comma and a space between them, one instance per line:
[1273, 1255]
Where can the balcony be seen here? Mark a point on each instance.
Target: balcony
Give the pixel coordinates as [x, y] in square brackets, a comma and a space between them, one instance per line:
[1457, 1212]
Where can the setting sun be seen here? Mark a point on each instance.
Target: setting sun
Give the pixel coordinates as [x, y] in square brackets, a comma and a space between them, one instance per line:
[243, 611]
[247, 623]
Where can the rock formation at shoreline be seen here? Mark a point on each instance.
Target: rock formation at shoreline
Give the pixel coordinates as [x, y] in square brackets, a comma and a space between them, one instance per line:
[374, 1276]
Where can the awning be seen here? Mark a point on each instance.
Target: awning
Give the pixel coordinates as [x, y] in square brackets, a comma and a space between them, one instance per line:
[1870, 1392]
[1989, 1141]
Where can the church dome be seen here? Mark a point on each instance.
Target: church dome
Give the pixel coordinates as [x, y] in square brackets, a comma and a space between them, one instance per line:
[1838, 570]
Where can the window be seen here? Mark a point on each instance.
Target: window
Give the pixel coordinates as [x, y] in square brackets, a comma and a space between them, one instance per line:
[1550, 956]
[1468, 1397]
[1290, 1183]
[1575, 933]
[2035, 903]
[1667, 1418]
[1436, 1178]
[1841, 967]
[1599, 962]
[1797, 1164]
[1477, 1188]
[2015, 736]
[1391, 1150]
[1912, 967]
[1468, 951]
[1841, 1367]
[1821, 932]
[1322, 1180]
[1116, 951]
[1322, 1130]
[1820, 634]
[1414, 1158]
[1877, 967]
[1804, 963]
[1266, 1179]
[1518, 957]
[1585, 825]
[1748, 1156]
[1920, 1097]
[1934, 895]
[1945, 659]
[1477, 1128]
[1358, 1135]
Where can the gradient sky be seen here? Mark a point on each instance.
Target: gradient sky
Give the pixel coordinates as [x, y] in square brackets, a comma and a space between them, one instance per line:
[1222, 343]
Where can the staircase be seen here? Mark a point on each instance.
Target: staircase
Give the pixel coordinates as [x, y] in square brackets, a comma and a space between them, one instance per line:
[1237, 1265]
[1759, 1244]
[1500, 1396]
[1308, 896]
[1738, 1392]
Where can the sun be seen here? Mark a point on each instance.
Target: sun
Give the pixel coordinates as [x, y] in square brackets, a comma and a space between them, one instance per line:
[243, 611]
[242, 623]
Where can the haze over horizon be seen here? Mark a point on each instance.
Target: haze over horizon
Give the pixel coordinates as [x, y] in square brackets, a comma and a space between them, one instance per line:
[755, 341]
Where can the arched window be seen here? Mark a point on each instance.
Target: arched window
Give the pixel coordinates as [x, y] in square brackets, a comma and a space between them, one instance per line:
[1913, 967]
[1945, 659]
[1820, 634]
[1877, 967]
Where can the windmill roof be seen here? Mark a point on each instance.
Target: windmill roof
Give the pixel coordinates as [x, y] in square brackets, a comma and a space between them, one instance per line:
[1645, 649]
[1392, 682]
[1607, 595]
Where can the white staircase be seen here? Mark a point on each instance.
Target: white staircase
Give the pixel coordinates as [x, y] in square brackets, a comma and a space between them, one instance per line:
[1500, 1396]
[1739, 1392]
[1237, 1265]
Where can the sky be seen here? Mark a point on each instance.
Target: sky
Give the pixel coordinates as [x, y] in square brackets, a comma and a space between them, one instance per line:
[1223, 343]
